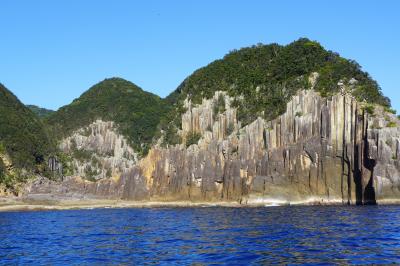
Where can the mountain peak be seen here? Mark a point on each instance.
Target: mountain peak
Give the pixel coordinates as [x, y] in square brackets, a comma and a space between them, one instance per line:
[267, 76]
[136, 112]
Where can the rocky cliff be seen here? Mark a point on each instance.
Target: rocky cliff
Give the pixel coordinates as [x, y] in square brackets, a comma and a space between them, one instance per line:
[331, 149]
[99, 151]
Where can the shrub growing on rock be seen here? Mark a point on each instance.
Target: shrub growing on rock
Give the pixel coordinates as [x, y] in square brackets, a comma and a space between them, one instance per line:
[192, 138]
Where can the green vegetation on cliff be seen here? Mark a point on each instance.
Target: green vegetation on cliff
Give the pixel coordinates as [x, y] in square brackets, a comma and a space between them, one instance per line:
[192, 138]
[263, 78]
[22, 135]
[41, 112]
[136, 112]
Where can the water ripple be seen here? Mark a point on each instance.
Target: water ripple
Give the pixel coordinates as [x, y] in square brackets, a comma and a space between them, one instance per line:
[203, 236]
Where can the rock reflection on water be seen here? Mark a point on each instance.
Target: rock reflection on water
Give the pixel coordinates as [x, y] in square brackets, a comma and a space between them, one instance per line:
[317, 234]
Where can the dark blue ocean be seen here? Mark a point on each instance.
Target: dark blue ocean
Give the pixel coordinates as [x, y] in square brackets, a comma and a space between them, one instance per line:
[202, 236]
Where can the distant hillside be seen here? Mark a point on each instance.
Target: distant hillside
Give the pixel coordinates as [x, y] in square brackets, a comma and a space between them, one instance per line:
[136, 112]
[41, 112]
[263, 78]
[22, 135]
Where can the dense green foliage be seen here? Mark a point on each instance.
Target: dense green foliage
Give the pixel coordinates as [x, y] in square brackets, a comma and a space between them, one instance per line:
[192, 138]
[22, 134]
[263, 78]
[136, 112]
[219, 105]
[390, 110]
[41, 112]
[369, 108]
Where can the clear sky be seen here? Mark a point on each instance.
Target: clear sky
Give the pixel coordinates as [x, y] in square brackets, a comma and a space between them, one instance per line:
[52, 51]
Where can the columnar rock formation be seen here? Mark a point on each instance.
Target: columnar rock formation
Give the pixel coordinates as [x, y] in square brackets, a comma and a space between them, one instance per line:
[320, 149]
[328, 149]
[99, 151]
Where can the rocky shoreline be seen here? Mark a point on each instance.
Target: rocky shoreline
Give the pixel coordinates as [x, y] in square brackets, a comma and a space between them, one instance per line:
[25, 204]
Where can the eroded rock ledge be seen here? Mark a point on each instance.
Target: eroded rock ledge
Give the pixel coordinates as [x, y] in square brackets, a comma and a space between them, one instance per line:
[321, 149]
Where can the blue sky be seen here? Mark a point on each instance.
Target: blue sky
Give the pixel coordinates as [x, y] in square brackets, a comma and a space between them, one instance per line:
[52, 51]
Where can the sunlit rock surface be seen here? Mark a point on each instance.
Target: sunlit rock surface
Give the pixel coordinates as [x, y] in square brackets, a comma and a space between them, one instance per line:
[319, 150]
[99, 151]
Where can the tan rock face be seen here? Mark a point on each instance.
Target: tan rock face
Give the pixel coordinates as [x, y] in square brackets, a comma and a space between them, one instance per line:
[325, 149]
[320, 148]
[206, 120]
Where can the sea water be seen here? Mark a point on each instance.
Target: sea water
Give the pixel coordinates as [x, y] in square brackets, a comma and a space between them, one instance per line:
[202, 236]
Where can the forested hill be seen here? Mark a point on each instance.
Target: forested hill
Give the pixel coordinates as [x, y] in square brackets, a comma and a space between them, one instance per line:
[136, 112]
[22, 135]
[263, 78]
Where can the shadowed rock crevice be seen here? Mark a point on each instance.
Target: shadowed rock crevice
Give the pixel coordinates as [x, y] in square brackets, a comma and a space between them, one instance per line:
[364, 169]
[369, 191]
